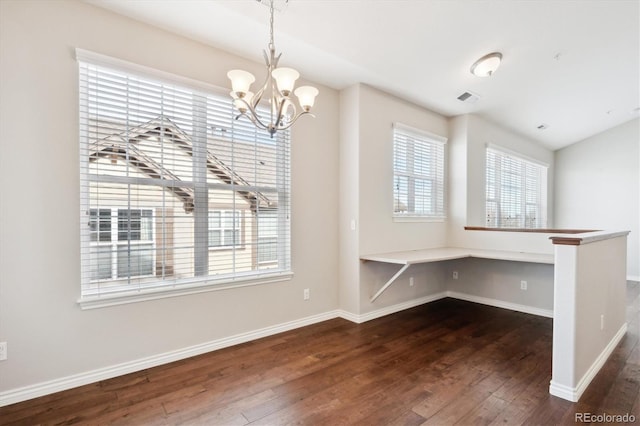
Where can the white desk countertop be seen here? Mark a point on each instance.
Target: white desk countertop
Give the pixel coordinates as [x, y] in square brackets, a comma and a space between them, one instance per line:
[411, 257]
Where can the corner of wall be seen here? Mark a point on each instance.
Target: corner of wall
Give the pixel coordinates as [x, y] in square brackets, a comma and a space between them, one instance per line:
[348, 221]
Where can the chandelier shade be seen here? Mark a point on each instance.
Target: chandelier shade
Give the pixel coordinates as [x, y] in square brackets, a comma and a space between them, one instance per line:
[306, 96]
[276, 89]
[240, 81]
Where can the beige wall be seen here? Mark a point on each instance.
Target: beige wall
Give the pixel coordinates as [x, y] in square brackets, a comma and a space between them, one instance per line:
[598, 186]
[470, 135]
[482, 279]
[366, 143]
[49, 336]
[378, 231]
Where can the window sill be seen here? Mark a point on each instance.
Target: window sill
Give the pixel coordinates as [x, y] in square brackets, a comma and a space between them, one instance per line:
[122, 298]
[417, 219]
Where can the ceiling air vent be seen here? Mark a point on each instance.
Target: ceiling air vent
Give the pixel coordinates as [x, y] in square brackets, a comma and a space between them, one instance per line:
[469, 98]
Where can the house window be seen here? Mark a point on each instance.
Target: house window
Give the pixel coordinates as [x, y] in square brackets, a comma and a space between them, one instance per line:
[173, 187]
[267, 238]
[418, 173]
[128, 253]
[224, 228]
[516, 191]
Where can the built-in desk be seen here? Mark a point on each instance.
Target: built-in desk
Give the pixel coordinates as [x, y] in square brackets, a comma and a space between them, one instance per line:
[411, 257]
[589, 297]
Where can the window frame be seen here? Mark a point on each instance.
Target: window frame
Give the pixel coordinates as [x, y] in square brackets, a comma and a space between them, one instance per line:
[436, 146]
[89, 299]
[525, 164]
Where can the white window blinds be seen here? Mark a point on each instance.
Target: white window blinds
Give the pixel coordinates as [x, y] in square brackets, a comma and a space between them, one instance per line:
[516, 191]
[173, 188]
[418, 173]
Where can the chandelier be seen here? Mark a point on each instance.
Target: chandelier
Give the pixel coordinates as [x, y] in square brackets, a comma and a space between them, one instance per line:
[277, 88]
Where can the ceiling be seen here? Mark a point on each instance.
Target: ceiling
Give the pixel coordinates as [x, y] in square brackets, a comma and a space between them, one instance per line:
[571, 65]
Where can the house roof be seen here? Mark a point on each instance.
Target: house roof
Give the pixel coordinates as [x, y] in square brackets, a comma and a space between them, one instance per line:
[130, 142]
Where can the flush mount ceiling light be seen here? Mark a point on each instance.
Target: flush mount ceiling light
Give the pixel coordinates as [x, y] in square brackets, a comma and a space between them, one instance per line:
[277, 88]
[487, 65]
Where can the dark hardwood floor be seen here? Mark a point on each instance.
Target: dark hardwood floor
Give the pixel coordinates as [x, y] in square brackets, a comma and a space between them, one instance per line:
[447, 362]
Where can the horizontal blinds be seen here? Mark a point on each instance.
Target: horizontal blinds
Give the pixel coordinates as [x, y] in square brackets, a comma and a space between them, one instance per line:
[515, 191]
[418, 164]
[174, 190]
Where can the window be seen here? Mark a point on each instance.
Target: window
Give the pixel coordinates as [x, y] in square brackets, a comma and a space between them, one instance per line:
[224, 228]
[267, 238]
[175, 192]
[516, 191]
[418, 173]
[127, 253]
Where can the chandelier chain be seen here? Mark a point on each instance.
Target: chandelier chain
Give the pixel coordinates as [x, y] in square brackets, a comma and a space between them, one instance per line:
[271, 43]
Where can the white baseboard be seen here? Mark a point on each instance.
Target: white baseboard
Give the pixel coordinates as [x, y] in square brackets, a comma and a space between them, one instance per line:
[501, 304]
[64, 383]
[548, 313]
[574, 394]
[368, 316]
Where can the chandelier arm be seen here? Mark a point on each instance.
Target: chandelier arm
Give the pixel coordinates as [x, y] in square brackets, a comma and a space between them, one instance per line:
[279, 115]
[295, 118]
[251, 115]
[258, 96]
[255, 119]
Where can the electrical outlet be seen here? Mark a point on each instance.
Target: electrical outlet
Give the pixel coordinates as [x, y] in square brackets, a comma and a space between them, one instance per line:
[455, 275]
[410, 281]
[3, 351]
[601, 322]
[305, 294]
[523, 285]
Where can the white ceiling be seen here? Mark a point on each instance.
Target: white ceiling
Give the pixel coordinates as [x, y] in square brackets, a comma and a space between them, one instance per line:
[573, 65]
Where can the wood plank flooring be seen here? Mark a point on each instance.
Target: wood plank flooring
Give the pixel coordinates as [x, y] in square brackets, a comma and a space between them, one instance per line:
[447, 362]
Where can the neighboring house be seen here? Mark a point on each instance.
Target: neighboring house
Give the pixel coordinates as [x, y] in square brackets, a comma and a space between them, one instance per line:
[154, 239]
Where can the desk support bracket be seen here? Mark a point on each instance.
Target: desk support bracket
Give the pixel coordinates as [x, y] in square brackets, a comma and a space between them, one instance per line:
[388, 283]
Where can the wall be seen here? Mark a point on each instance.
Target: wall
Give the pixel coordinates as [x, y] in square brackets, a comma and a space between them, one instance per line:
[598, 186]
[366, 133]
[367, 117]
[349, 271]
[378, 231]
[589, 310]
[470, 135]
[49, 337]
[468, 138]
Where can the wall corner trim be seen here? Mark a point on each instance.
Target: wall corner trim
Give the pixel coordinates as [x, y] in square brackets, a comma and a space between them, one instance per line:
[574, 394]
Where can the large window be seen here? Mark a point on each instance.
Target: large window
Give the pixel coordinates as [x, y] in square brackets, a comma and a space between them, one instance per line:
[175, 192]
[516, 191]
[418, 174]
